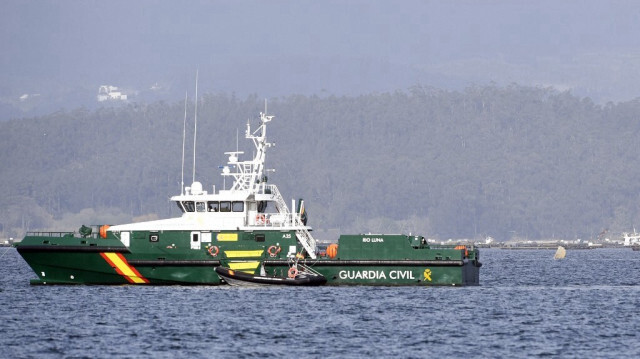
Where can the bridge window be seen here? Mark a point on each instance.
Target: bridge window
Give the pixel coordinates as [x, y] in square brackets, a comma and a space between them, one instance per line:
[189, 206]
[213, 206]
[200, 207]
[238, 206]
[262, 205]
[180, 206]
[225, 206]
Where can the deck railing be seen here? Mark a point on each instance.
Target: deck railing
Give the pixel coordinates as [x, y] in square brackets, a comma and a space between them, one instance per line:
[50, 234]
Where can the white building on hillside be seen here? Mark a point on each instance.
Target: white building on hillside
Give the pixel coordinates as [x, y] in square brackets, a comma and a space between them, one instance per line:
[106, 93]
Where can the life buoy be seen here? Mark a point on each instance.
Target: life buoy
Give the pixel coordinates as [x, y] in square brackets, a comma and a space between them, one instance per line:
[214, 250]
[103, 231]
[261, 219]
[332, 250]
[293, 272]
[273, 251]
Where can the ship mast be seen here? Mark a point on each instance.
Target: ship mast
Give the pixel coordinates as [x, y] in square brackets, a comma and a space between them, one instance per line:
[184, 134]
[247, 175]
[195, 130]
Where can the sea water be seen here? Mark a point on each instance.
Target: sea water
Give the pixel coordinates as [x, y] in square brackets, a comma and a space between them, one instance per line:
[528, 305]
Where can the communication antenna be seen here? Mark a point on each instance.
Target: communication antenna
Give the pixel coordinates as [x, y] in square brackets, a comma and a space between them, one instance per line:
[184, 134]
[195, 131]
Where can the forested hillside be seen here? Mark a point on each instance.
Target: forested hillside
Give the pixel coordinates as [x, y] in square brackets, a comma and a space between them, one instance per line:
[500, 161]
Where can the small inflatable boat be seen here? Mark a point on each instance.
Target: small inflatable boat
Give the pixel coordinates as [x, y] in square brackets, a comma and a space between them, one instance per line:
[299, 278]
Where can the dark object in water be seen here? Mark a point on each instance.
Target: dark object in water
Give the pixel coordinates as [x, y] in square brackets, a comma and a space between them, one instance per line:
[302, 278]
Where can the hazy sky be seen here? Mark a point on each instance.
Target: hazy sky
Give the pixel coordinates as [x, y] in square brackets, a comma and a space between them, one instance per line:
[276, 48]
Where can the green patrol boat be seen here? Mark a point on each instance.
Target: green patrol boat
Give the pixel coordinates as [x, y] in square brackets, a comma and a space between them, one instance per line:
[247, 229]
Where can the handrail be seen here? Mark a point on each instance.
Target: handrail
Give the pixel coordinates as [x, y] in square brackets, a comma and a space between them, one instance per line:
[57, 234]
[49, 234]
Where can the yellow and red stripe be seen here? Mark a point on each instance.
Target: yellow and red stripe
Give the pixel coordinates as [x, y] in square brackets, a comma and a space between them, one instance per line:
[122, 267]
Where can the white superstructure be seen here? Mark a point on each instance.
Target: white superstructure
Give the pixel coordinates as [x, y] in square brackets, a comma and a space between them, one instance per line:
[631, 239]
[249, 204]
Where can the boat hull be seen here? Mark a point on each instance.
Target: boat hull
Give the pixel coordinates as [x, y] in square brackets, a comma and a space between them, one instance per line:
[108, 267]
[73, 260]
[172, 259]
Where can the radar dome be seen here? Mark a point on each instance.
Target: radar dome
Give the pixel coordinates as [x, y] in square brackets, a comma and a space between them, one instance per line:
[196, 188]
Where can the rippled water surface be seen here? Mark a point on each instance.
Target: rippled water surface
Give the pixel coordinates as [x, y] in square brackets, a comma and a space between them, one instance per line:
[528, 305]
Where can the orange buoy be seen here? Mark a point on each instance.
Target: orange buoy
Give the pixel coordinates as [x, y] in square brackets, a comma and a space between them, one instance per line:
[273, 251]
[213, 251]
[293, 272]
[103, 231]
[332, 250]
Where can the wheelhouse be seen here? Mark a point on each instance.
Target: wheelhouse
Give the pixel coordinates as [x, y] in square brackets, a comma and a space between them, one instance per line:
[240, 209]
